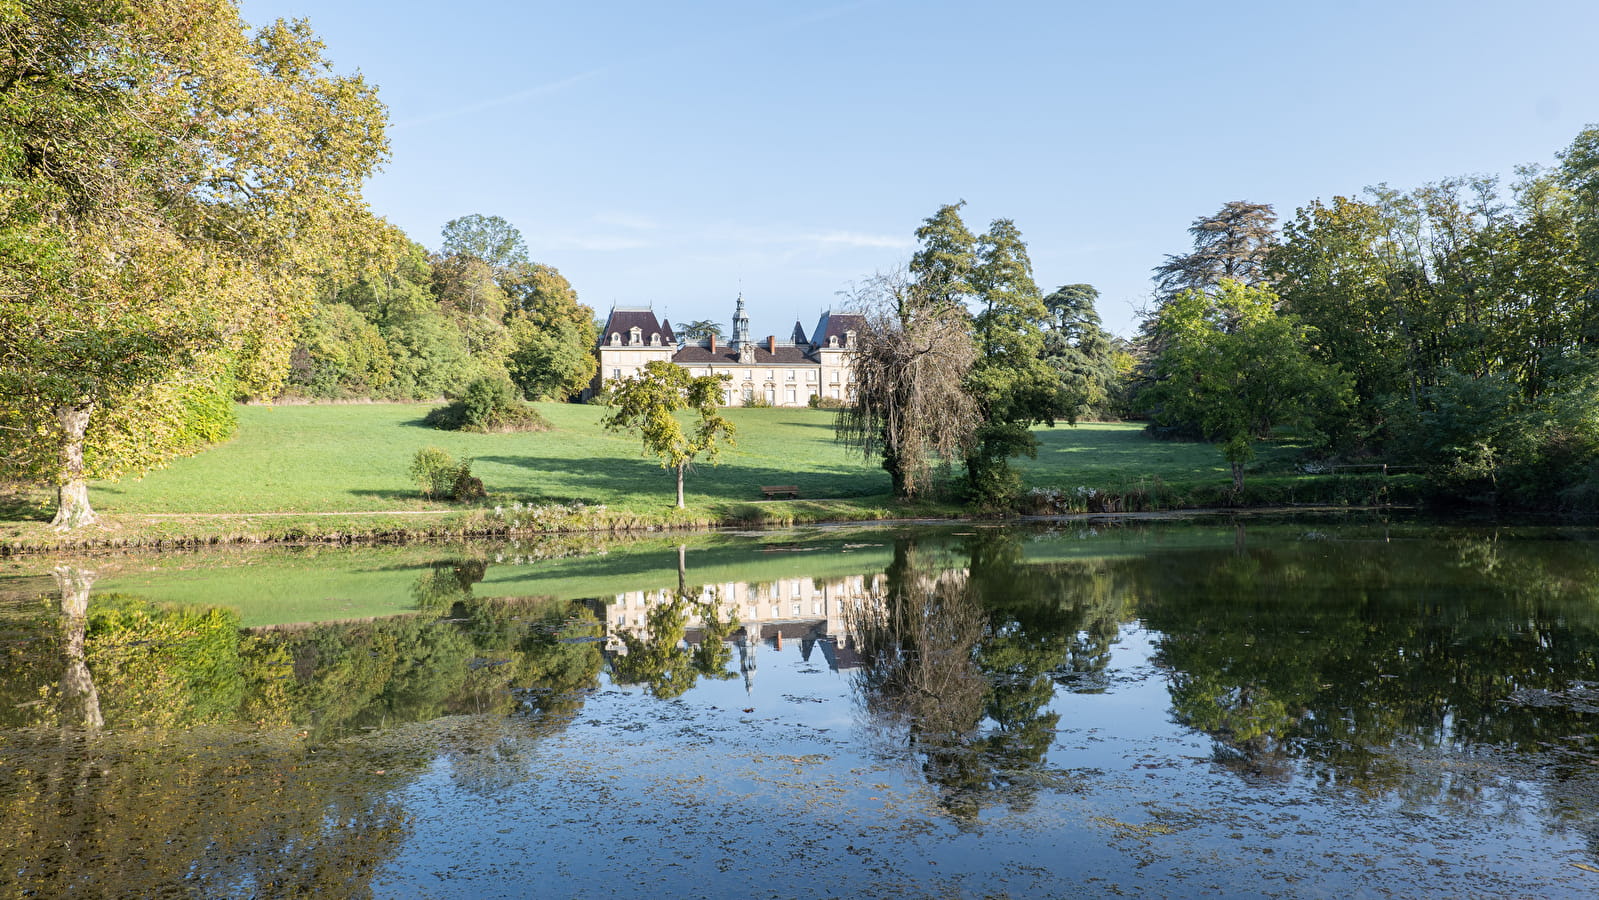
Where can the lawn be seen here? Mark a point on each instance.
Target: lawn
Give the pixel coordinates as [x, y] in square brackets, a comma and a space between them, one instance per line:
[322, 469]
[348, 457]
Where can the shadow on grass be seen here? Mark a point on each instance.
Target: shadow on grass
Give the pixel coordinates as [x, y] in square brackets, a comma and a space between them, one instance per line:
[728, 481]
[388, 494]
[26, 505]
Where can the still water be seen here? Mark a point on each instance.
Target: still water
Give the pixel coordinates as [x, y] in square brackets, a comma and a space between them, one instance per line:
[1313, 708]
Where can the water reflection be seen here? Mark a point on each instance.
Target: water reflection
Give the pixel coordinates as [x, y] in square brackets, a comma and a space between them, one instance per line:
[1450, 679]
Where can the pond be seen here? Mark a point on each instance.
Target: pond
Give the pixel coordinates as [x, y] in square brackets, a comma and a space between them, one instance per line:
[1335, 707]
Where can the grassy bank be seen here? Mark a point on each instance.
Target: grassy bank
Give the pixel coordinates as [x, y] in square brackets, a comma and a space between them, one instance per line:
[339, 472]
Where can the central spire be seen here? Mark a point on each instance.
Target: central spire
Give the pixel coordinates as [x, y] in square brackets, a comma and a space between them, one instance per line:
[741, 323]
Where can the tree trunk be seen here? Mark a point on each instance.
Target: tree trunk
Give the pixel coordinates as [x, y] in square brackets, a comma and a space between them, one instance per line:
[72, 494]
[1238, 478]
[680, 469]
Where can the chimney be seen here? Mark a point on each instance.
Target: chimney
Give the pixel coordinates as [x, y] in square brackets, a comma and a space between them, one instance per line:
[713, 342]
[771, 344]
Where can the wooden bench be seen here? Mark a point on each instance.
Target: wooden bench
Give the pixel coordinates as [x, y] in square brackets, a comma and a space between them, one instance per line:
[779, 490]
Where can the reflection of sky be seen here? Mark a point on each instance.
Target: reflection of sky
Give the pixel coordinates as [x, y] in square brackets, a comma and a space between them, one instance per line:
[780, 792]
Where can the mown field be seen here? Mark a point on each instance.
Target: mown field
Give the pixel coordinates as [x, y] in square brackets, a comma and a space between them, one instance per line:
[352, 459]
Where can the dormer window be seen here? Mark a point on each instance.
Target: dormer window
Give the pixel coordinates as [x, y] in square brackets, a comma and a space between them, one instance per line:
[635, 335]
[849, 338]
[832, 340]
[616, 339]
[655, 339]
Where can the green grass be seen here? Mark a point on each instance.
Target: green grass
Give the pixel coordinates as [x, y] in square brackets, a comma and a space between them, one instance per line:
[342, 458]
[1110, 456]
[323, 471]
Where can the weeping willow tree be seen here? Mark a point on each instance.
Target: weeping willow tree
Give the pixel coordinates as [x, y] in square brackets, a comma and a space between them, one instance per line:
[910, 366]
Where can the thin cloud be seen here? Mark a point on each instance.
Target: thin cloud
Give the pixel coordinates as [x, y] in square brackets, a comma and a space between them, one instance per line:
[859, 239]
[557, 86]
[541, 90]
[626, 220]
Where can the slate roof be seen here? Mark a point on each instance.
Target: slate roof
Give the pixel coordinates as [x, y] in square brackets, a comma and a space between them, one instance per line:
[799, 335]
[697, 355]
[623, 319]
[834, 325]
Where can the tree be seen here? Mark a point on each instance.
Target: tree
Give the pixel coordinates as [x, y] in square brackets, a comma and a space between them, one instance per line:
[489, 239]
[171, 188]
[910, 368]
[943, 264]
[1230, 244]
[1013, 386]
[647, 403]
[551, 334]
[1235, 369]
[467, 291]
[699, 330]
[1083, 354]
[550, 362]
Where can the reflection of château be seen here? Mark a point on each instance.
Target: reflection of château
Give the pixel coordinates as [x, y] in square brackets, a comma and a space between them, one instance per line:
[809, 610]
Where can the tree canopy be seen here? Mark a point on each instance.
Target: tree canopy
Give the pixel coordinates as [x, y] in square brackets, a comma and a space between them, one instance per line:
[648, 402]
[910, 366]
[171, 187]
[1234, 369]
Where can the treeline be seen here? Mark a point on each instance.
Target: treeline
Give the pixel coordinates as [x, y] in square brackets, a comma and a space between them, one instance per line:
[1453, 327]
[415, 324]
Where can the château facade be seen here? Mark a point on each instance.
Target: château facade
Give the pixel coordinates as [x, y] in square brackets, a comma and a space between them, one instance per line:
[778, 373]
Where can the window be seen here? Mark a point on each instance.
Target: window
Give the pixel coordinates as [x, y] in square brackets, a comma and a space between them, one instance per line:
[635, 335]
[655, 339]
[791, 375]
[615, 339]
[810, 374]
[616, 374]
[791, 396]
[832, 340]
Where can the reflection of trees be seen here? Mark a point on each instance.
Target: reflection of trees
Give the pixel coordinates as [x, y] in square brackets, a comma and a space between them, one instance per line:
[966, 662]
[138, 815]
[661, 658]
[298, 804]
[79, 699]
[1356, 657]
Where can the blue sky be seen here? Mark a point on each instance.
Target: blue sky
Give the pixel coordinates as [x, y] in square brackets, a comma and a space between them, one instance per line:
[679, 153]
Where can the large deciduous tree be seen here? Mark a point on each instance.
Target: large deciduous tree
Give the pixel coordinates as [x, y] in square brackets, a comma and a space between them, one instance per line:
[648, 403]
[169, 188]
[1234, 369]
[910, 368]
[491, 239]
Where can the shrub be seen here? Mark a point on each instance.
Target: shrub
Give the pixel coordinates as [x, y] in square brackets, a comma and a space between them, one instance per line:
[489, 404]
[437, 473]
[817, 401]
[434, 470]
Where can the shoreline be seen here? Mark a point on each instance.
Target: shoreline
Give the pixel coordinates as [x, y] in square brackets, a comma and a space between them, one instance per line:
[116, 533]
